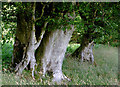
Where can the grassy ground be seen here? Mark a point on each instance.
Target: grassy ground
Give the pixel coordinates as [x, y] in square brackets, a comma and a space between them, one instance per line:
[85, 74]
[80, 74]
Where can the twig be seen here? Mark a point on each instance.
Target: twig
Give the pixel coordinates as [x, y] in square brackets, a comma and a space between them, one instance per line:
[41, 14]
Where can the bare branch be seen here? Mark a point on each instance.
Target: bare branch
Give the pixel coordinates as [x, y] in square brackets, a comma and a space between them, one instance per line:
[41, 14]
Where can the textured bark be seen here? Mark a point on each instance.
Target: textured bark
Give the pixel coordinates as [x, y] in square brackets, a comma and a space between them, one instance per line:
[78, 51]
[25, 33]
[29, 52]
[53, 46]
[87, 53]
[84, 52]
[50, 53]
[17, 52]
[21, 38]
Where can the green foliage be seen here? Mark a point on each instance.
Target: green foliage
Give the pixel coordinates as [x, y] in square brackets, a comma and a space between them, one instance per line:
[71, 48]
[99, 20]
[8, 32]
[8, 22]
[8, 12]
[7, 51]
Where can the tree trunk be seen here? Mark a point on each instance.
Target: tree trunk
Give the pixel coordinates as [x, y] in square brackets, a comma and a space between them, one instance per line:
[87, 53]
[50, 53]
[83, 44]
[21, 38]
[17, 52]
[25, 33]
[53, 46]
[84, 52]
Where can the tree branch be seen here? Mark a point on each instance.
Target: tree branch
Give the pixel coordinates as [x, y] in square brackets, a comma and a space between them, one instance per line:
[33, 11]
[41, 14]
[41, 36]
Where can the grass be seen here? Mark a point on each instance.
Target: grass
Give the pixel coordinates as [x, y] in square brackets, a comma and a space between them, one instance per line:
[80, 74]
[7, 50]
[85, 74]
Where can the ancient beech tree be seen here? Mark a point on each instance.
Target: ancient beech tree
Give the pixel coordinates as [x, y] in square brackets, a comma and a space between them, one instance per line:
[52, 43]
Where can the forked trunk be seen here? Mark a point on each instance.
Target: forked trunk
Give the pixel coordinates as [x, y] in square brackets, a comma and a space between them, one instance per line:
[25, 34]
[29, 52]
[51, 52]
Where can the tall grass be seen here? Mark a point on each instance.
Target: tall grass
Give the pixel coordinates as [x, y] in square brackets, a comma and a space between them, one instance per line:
[80, 74]
[7, 50]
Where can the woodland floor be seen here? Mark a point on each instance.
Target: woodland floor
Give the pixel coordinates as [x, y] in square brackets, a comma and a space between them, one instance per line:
[105, 73]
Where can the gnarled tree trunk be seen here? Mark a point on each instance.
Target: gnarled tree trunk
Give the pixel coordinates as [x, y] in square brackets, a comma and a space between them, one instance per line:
[21, 38]
[84, 52]
[53, 46]
[26, 39]
[84, 42]
[87, 53]
[51, 52]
